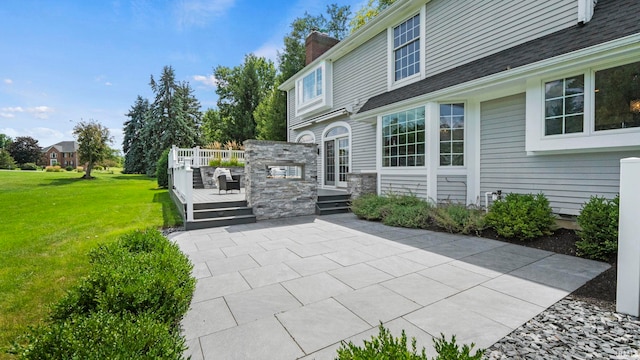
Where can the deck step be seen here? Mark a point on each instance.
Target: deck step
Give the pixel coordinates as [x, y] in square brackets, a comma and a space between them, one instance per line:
[221, 221]
[197, 179]
[333, 204]
[221, 212]
[220, 205]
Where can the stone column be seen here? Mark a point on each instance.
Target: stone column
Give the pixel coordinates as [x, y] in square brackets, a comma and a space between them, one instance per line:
[359, 184]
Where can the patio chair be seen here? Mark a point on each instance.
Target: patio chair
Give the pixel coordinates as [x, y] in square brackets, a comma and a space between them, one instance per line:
[226, 185]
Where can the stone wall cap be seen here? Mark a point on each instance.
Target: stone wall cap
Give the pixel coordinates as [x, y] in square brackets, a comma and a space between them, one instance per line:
[273, 142]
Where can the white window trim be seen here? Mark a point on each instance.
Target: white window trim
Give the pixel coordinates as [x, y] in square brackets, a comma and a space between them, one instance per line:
[400, 169]
[453, 169]
[588, 139]
[306, 132]
[319, 103]
[391, 82]
[321, 147]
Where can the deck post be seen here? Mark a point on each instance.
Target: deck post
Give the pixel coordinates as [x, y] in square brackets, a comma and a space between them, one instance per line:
[188, 191]
[628, 287]
[196, 157]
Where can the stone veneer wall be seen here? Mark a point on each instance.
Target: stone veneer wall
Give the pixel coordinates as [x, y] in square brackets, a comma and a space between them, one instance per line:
[279, 198]
[207, 175]
[359, 184]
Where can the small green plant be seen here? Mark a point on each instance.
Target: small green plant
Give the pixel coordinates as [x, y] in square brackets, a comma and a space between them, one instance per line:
[524, 216]
[69, 168]
[457, 218]
[387, 347]
[29, 166]
[449, 350]
[598, 220]
[405, 212]
[369, 206]
[162, 166]
[382, 347]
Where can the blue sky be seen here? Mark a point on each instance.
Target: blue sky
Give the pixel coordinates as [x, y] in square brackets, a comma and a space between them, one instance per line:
[63, 61]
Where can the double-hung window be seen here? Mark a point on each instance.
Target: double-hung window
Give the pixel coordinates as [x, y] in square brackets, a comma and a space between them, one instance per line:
[406, 48]
[313, 90]
[403, 138]
[451, 134]
[564, 106]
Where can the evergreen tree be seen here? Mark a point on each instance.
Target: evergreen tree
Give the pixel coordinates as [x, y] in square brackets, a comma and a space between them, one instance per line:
[133, 143]
[173, 118]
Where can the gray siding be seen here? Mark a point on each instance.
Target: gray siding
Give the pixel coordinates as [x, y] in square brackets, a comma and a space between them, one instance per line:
[363, 149]
[452, 189]
[567, 180]
[361, 74]
[461, 31]
[405, 184]
[291, 109]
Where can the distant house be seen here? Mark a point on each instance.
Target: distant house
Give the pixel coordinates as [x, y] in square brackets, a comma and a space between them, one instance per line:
[64, 153]
[451, 100]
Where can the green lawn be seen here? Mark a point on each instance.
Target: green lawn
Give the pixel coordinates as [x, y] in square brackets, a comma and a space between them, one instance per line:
[48, 223]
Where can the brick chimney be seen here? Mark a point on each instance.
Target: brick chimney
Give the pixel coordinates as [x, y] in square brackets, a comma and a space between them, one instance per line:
[316, 44]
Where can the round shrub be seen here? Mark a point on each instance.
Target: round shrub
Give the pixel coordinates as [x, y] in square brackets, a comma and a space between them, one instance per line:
[524, 216]
[142, 272]
[29, 166]
[457, 218]
[104, 335]
[69, 168]
[598, 220]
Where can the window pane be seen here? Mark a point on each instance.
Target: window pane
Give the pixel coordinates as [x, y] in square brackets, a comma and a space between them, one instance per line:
[399, 149]
[553, 89]
[553, 108]
[573, 124]
[445, 109]
[458, 134]
[457, 160]
[617, 97]
[553, 126]
[574, 85]
[407, 48]
[457, 122]
[445, 160]
[457, 147]
[445, 135]
[458, 109]
[445, 147]
[574, 105]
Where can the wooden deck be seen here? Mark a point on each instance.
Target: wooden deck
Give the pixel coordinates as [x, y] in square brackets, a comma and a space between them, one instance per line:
[202, 196]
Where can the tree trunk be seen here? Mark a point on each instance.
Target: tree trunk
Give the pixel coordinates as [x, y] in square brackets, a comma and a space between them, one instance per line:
[87, 174]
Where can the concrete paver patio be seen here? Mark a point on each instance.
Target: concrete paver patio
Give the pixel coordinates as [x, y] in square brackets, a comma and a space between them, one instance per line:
[295, 288]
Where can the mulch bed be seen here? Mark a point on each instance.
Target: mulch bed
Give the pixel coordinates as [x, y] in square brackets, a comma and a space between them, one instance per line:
[600, 291]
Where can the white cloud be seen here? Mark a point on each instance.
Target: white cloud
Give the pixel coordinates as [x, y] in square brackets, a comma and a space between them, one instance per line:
[9, 132]
[268, 50]
[108, 84]
[40, 112]
[200, 12]
[45, 136]
[206, 80]
[8, 81]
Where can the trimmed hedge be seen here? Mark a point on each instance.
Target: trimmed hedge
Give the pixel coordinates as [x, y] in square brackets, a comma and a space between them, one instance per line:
[131, 303]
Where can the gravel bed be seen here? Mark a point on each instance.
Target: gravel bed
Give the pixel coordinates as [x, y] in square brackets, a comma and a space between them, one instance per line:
[572, 329]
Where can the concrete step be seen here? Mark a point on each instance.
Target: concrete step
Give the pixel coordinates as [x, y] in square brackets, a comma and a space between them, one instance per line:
[323, 198]
[222, 212]
[218, 222]
[332, 204]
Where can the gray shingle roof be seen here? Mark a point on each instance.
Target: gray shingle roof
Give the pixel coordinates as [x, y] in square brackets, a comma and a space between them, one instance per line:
[64, 146]
[612, 19]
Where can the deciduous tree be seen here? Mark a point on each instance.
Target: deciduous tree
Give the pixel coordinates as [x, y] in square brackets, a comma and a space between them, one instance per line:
[25, 149]
[5, 141]
[368, 12]
[93, 140]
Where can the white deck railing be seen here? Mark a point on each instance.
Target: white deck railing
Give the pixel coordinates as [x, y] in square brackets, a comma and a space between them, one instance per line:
[181, 165]
[201, 157]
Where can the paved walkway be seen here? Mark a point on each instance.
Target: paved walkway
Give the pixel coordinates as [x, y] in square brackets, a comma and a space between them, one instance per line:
[296, 288]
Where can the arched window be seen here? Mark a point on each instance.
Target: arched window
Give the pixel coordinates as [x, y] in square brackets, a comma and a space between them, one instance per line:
[306, 137]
